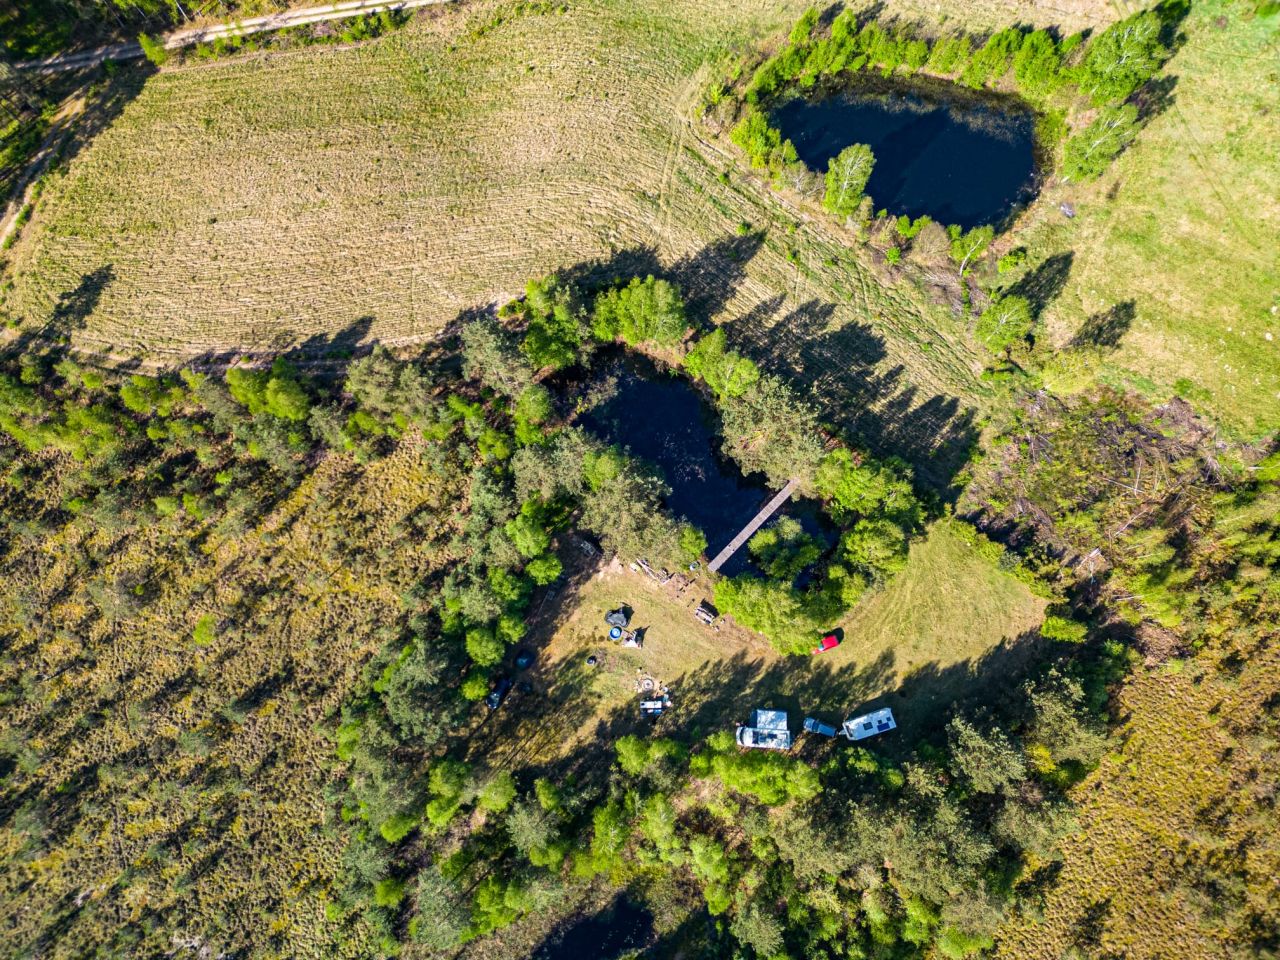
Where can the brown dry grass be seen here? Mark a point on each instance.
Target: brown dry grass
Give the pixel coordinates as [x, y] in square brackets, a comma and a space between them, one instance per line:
[1166, 821]
[264, 200]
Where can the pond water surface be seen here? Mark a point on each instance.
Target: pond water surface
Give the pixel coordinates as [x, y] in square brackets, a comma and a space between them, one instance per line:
[662, 418]
[623, 926]
[961, 162]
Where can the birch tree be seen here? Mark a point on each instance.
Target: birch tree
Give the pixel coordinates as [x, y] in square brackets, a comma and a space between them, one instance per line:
[1125, 57]
[965, 246]
[1004, 323]
[847, 177]
[1087, 154]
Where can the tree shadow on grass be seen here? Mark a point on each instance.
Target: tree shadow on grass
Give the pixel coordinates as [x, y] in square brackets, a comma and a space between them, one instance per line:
[69, 314]
[708, 279]
[1045, 283]
[347, 343]
[837, 368]
[711, 277]
[1105, 329]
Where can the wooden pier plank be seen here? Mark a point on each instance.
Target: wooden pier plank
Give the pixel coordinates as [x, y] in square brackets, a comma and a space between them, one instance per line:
[756, 523]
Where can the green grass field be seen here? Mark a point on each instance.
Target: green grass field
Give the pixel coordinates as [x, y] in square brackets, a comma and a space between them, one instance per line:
[1185, 226]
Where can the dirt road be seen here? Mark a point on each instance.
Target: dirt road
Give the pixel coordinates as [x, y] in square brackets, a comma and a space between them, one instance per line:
[236, 28]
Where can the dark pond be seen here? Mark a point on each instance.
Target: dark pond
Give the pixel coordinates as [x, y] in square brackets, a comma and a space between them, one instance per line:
[939, 151]
[663, 419]
[621, 927]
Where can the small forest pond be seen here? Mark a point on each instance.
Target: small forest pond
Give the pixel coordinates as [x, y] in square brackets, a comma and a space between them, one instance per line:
[956, 157]
[622, 927]
[663, 419]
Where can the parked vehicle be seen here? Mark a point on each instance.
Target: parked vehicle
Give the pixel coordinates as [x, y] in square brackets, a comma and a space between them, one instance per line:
[523, 659]
[813, 725]
[499, 693]
[829, 642]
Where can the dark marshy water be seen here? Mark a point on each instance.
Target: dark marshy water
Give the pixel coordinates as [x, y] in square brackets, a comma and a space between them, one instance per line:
[622, 927]
[663, 419]
[939, 151]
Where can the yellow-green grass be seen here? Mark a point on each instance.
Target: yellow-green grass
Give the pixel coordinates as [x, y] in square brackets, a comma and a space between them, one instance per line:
[264, 200]
[1182, 803]
[168, 777]
[1186, 225]
[919, 644]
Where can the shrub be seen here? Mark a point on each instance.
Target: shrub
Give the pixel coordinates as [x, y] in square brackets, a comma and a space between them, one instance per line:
[878, 545]
[483, 646]
[496, 795]
[388, 892]
[771, 778]
[789, 618]
[693, 542]
[1063, 628]
[644, 311]
[1123, 58]
[544, 569]
[396, 828]
[728, 374]
[153, 49]
[1036, 65]
[205, 631]
[1004, 323]
[475, 686]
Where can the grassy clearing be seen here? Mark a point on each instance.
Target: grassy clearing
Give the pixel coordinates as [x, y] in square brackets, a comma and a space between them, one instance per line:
[1184, 227]
[921, 644]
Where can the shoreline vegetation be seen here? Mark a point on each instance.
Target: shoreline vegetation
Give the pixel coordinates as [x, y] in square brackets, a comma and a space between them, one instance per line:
[1079, 89]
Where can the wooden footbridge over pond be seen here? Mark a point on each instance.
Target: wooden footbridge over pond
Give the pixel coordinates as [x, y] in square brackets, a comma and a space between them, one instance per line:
[767, 511]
